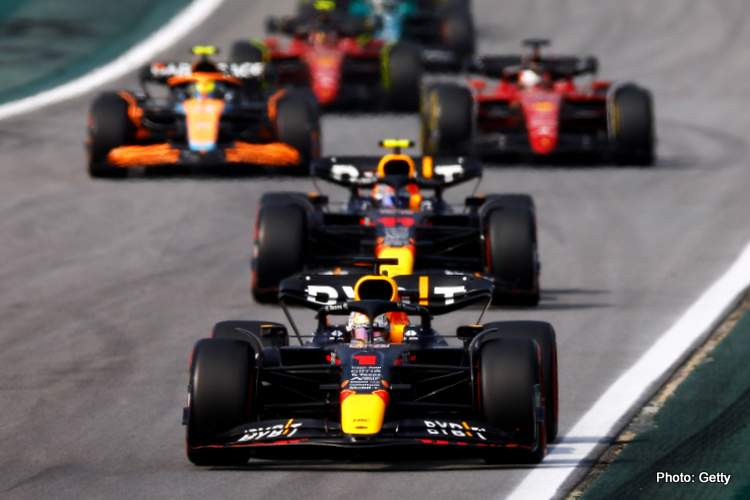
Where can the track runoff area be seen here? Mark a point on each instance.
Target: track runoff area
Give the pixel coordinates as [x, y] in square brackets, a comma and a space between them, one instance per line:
[606, 416]
[670, 450]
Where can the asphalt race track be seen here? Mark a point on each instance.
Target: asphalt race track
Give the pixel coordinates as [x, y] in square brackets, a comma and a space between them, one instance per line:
[106, 285]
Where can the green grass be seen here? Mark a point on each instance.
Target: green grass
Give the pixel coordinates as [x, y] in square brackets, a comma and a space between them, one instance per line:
[44, 43]
[703, 427]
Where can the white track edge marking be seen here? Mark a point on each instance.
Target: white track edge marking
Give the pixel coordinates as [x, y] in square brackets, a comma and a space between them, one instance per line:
[630, 388]
[179, 26]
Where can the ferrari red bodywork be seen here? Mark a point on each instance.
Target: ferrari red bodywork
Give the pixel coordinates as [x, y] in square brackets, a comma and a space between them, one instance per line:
[335, 68]
[558, 116]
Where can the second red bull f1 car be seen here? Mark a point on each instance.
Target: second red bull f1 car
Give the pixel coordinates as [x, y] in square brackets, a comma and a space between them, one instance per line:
[373, 382]
[397, 210]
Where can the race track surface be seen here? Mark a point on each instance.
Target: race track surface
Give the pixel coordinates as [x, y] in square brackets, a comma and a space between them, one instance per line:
[106, 285]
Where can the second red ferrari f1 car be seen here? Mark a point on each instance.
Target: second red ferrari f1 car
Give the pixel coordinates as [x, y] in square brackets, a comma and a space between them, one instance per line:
[374, 375]
[342, 69]
[535, 109]
[212, 115]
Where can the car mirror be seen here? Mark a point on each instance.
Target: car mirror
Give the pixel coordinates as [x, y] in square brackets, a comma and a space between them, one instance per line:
[468, 332]
[475, 201]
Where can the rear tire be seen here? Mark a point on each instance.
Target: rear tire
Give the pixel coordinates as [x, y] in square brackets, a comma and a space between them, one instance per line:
[545, 337]
[447, 120]
[511, 250]
[109, 127]
[403, 63]
[509, 384]
[631, 121]
[298, 124]
[221, 393]
[245, 51]
[458, 32]
[280, 244]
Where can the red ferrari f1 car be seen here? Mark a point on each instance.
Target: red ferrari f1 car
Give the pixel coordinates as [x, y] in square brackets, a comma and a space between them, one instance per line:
[535, 108]
[342, 69]
[374, 375]
[210, 115]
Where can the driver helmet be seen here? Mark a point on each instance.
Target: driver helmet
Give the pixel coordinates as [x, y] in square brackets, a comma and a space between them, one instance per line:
[204, 88]
[385, 196]
[384, 5]
[357, 328]
[323, 37]
[529, 78]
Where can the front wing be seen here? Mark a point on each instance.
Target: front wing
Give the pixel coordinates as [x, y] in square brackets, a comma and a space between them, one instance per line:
[305, 432]
[500, 143]
[239, 153]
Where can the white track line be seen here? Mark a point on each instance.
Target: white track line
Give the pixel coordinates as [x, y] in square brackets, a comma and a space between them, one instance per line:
[187, 20]
[606, 415]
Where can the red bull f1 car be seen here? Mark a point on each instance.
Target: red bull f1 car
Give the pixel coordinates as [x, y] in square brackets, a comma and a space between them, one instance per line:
[533, 108]
[396, 209]
[376, 386]
[208, 115]
[342, 69]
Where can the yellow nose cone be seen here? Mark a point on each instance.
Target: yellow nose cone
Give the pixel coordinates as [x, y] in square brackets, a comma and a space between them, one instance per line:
[362, 414]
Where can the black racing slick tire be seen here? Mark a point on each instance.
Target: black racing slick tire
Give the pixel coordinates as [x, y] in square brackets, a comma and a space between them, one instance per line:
[109, 127]
[298, 124]
[457, 32]
[447, 120]
[245, 51]
[509, 390]
[403, 76]
[221, 393]
[511, 255]
[280, 242]
[544, 335]
[631, 124]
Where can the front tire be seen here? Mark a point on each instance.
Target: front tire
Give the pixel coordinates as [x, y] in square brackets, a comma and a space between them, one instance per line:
[544, 335]
[221, 392]
[509, 384]
[109, 127]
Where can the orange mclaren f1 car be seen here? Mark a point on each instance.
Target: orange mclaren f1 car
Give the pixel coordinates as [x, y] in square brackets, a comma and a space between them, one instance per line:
[209, 115]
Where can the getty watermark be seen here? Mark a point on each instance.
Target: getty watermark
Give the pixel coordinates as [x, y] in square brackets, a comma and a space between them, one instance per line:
[701, 477]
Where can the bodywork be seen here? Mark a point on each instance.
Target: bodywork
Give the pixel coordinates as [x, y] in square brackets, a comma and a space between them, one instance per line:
[561, 116]
[341, 70]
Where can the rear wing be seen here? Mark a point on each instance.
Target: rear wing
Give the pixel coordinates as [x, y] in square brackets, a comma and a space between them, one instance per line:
[439, 293]
[160, 72]
[436, 172]
[501, 66]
